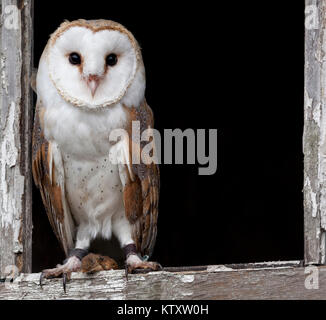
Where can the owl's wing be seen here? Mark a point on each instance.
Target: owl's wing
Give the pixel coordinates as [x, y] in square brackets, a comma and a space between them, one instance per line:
[48, 173]
[141, 188]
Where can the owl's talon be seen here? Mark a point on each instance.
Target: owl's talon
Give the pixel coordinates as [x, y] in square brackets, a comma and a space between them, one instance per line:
[134, 263]
[73, 264]
[64, 281]
[127, 271]
[41, 279]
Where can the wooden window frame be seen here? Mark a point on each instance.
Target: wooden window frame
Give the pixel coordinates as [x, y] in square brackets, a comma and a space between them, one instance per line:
[314, 137]
[15, 135]
[274, 280]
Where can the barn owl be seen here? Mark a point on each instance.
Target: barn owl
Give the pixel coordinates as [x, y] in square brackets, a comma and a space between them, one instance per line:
[91, 81]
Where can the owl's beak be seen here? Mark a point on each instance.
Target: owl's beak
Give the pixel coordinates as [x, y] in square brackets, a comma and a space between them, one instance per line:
[93, 82]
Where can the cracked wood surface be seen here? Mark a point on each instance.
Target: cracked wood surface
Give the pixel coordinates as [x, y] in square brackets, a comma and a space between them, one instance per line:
[314, 140]
[15, 135]
[258, 281]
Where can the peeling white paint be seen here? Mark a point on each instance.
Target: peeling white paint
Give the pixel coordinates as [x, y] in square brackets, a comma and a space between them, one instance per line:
[322, 248]
[218, 268]
[9, 154]
[15, 116]
[139, 278]
[4, 81]
[313, 197]
[11, 188]
[187, 293]
[187, 278]
[316, 113]
[308, 100]
[318, 56]
[311, 110]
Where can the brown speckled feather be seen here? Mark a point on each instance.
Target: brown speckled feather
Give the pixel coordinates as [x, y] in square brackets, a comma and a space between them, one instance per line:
[141, 194]
[52, 190]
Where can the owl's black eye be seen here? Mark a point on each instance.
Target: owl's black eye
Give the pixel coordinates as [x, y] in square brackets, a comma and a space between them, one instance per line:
[111, 60]
[74, 58]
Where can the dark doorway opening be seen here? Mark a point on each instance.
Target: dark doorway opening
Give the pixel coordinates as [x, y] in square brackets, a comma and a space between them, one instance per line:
[230, 69]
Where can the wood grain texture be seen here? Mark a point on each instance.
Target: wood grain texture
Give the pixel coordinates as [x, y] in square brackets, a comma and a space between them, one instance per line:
[314, 143]
[265, 281]
[15, 135]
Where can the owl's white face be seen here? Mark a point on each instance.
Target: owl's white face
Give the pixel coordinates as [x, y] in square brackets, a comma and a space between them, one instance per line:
[92, 69]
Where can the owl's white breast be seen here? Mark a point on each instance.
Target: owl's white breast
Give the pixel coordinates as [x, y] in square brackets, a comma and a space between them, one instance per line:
[93, 186]
[83, 134]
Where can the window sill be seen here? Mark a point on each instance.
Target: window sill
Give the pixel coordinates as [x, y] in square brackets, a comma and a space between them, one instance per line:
[276, 280]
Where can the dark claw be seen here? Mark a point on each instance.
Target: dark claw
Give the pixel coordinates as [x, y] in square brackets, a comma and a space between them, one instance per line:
[160, 268]
[64, 280]
[41, 279]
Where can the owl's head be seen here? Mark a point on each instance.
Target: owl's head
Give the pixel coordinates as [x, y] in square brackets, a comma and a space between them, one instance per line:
[95, 64]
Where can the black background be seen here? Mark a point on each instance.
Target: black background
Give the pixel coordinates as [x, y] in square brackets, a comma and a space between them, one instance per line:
[238, 69]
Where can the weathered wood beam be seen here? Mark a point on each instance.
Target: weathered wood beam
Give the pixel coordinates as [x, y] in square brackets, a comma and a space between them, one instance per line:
[16, 32]
[314, 142]
[280, 280]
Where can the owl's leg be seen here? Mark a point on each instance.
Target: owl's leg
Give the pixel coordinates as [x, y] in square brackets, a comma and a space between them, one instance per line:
[122, 229]
[74, 260]
[71, 264]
